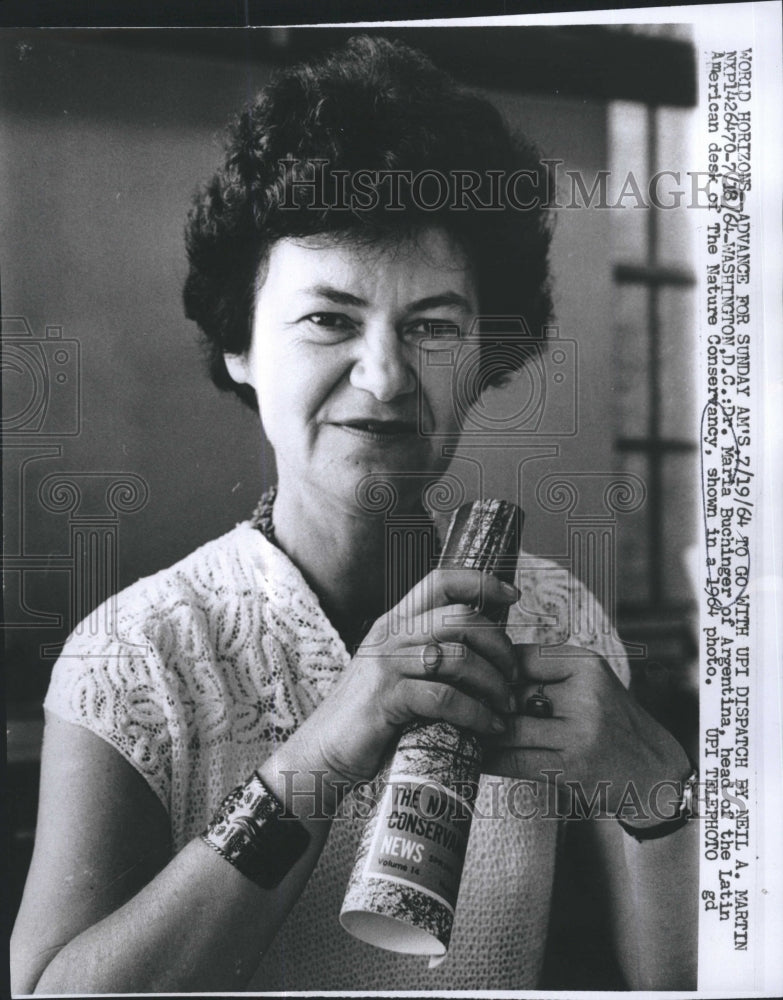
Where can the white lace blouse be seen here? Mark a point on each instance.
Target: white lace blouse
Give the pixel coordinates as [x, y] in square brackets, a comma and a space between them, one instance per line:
[199, 671]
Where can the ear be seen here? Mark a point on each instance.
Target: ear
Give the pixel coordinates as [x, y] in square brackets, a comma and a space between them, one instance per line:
[238, 367]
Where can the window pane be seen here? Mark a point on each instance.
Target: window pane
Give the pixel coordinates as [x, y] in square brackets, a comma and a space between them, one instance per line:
[676, 225]
[633, 550]
[631, 390]
[628, 156]
[677, 364]
[679, 524]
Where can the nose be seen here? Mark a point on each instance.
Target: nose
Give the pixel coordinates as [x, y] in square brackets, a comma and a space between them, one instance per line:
[382, 366]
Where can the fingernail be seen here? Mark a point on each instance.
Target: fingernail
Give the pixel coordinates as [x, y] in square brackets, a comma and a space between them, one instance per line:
[497, 725]
[510, 591]
[512, 703]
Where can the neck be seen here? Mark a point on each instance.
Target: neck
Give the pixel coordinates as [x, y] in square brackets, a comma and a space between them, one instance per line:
[343, 555]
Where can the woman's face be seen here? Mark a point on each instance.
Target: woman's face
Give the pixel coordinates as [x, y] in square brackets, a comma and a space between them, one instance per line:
[343, 384]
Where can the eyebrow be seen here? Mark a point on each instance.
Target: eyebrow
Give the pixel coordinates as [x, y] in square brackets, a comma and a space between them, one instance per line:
[438, 301]
[335, 295]
[420, 305]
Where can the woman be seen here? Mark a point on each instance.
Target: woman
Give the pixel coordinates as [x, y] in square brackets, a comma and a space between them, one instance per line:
[325, 263]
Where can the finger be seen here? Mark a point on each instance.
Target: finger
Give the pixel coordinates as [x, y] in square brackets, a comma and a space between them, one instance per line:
[461, 667]
[463, 624]
[557, 693]
[430, 700]
[457, 586]
[455, 623]
[526, 733]
[551, 664]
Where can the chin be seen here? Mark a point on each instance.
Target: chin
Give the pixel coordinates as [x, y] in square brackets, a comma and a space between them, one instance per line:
[383, 487]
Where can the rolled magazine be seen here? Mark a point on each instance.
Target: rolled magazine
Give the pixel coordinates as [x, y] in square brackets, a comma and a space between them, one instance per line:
[402, 893]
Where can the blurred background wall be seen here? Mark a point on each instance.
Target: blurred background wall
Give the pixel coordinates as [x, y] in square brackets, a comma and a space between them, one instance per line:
[119, 455]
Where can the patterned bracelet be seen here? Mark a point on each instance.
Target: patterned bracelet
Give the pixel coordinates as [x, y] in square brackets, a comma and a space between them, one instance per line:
[251, 831]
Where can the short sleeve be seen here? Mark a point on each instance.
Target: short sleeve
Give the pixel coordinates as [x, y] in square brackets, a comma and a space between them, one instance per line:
[555, 608]
[116, 689]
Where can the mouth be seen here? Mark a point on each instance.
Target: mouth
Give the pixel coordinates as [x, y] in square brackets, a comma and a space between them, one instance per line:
[379, 430]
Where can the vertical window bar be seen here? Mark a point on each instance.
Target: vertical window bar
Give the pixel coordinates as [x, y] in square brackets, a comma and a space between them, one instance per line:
[654, 455]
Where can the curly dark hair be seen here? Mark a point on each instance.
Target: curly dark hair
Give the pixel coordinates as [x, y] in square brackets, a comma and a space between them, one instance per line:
[373, 107]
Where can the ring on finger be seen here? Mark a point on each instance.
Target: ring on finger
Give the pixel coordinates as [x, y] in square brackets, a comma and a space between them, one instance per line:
[538, 706]
[431, 657]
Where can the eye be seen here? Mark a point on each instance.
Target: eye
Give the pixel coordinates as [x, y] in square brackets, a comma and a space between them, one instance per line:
[331, 324]
[433, 328]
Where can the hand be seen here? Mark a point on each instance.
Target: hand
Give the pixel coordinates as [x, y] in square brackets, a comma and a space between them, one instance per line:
[598, 733]
[386, 684]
